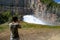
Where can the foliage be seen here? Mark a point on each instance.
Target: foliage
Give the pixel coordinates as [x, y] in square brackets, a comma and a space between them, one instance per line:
[4, 16]
[47, 2]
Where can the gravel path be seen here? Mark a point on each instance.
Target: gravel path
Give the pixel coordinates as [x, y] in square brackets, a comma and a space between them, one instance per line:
[34, 34]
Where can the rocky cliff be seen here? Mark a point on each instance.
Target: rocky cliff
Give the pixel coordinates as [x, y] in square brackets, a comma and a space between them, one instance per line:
[40, 12]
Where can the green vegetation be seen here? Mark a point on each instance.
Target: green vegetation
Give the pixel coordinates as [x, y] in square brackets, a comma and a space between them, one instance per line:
[4, 16]
[3, 27]
[28, 25]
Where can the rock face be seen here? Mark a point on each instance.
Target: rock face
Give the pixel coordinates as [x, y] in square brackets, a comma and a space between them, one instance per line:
[41, 13]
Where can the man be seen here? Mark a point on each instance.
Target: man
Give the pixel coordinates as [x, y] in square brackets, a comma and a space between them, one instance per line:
[14, 25]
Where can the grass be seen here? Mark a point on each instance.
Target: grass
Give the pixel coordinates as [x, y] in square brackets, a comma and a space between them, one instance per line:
[28, 25]
[3, 27]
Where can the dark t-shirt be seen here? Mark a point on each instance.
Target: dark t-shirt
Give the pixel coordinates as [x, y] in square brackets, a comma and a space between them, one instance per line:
[14, 30]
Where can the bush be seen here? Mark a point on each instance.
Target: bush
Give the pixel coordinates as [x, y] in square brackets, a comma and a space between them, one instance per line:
[4, 16]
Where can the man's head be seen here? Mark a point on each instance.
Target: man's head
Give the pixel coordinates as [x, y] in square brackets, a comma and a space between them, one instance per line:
[15, 19]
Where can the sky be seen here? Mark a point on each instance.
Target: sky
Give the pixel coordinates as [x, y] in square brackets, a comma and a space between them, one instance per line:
[58, 1]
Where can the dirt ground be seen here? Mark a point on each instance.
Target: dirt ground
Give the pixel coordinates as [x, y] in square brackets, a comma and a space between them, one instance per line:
[34, 34]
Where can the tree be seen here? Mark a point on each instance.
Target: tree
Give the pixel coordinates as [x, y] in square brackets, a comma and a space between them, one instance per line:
[4, 17]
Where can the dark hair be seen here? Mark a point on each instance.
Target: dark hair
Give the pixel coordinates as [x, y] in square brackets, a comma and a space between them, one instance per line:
[14, 19]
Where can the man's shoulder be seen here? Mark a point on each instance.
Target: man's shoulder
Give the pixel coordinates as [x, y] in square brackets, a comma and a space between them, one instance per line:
[10, 23]
[13, 23]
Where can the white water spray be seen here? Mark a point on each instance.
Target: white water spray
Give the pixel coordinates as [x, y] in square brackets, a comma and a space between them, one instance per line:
[32, 19]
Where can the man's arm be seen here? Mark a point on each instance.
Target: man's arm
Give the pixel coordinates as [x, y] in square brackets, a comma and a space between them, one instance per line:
[19, 26]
